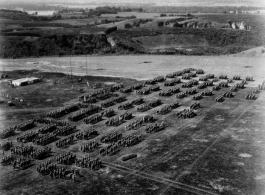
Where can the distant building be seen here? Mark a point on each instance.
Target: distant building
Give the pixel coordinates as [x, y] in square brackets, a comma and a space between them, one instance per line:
[231, 12]
[25, 81]
[251, 12]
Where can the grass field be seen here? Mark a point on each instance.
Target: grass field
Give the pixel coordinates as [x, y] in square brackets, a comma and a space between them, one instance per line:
[219, 151]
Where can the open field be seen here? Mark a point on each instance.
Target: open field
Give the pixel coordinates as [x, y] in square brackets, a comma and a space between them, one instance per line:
[150, 65]
[219, 151]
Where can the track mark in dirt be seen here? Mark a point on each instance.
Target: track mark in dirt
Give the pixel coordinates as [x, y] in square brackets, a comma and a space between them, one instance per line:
[217, 139]
[162, 180]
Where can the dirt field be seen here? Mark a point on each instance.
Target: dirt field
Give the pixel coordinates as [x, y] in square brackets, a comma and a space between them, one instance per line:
[219, 151]
[150, 65]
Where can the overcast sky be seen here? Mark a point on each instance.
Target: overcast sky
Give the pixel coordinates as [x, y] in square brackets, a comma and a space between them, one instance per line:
[158, 2]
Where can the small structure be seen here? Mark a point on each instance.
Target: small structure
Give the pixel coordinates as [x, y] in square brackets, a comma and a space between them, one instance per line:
[25, 81]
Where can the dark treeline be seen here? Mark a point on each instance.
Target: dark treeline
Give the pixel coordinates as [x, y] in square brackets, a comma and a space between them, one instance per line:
[198, 9]
[19, 15]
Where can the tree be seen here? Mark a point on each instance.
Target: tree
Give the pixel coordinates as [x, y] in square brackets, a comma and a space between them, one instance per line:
[160, 23]
[127, 25]
[176, 24]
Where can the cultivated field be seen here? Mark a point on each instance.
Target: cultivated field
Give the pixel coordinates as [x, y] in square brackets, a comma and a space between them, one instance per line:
[218, 151]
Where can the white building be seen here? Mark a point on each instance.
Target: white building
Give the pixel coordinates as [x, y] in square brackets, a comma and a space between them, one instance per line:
[25, 81]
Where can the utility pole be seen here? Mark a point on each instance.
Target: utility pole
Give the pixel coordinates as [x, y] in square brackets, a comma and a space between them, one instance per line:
[71, 65]
[86, 64]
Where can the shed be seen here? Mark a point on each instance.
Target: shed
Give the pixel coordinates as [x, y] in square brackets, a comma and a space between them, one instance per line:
[25, 81]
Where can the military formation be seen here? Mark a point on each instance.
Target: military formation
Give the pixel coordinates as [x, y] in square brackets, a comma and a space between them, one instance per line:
[118, 120]
[93, 119]
[86, 134]
[153, 128]
[186, 113]
[166, 109]
[140, 122]
[62, 133]
[90, 146]
[6, 145]
[87, 162]
[170, 91]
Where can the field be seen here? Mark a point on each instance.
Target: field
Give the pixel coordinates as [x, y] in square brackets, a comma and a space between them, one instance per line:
[219, 151]
[256, 21]
[128, 66]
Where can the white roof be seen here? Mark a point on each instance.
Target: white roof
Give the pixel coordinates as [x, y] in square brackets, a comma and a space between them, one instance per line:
[25, 79]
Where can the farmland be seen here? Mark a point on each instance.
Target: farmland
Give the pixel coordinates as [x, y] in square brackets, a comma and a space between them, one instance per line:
[218, 151]
[128, 33]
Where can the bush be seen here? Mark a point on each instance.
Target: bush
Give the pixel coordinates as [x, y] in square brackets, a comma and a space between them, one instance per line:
[163, 15]
[176, 24]
[160, 23]
[127, 25]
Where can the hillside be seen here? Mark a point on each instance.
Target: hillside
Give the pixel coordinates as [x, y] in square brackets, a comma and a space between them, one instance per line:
[253, 52]
[163, 40]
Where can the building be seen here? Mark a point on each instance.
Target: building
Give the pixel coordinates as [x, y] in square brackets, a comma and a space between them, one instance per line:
[25, 81]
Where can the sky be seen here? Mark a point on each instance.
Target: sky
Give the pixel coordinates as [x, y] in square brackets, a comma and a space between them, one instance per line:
[157, 2]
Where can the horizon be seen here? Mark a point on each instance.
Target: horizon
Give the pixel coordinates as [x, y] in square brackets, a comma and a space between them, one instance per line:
[211, 3]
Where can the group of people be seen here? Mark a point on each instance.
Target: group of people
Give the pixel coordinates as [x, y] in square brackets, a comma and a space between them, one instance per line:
[56, 171]
[186, 113]
[166, 109]
[172, 82]
[153, 128]
[111, 137]
[28, 137]
[84, 113]
[64, 130]
[67, 158]
[115, 121]
[87, 162]
[93, 119]
[65, 141]
[21, 163]
[86, 134]
[63, 111]
[90, 146]
[26, 125]
[22, 150]
[8, 132]
[51, 121]
[7, 159]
